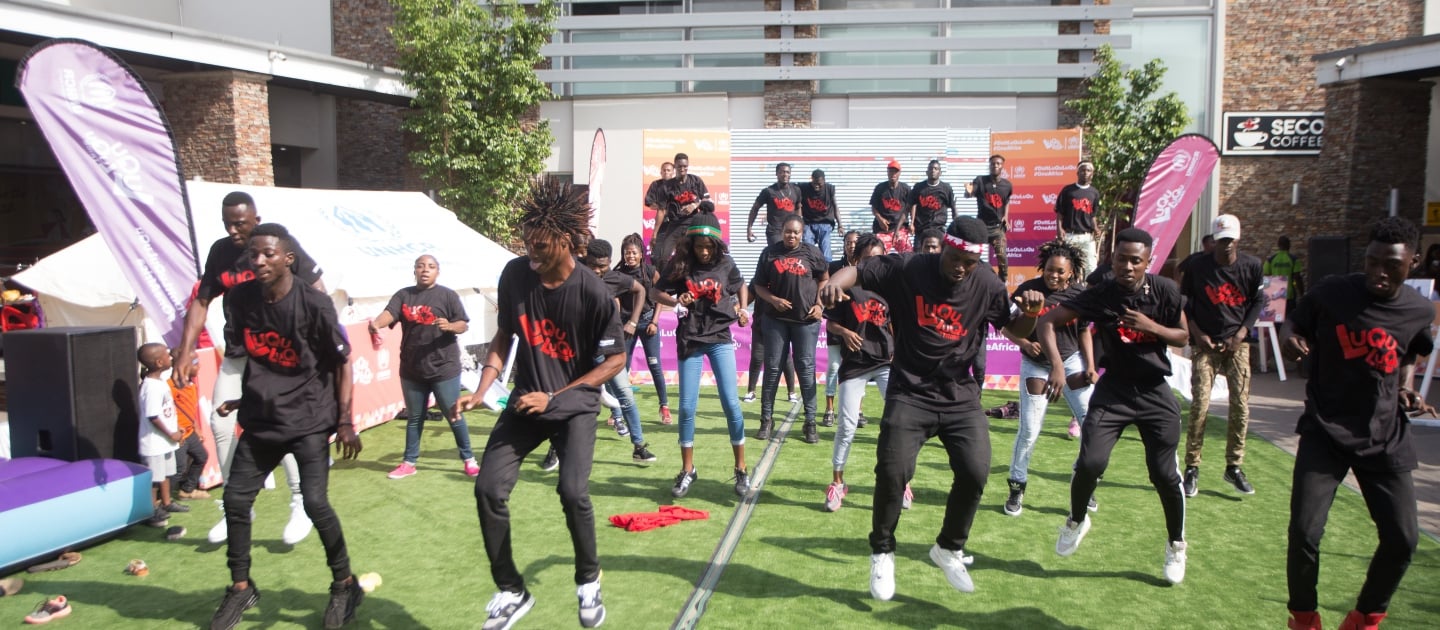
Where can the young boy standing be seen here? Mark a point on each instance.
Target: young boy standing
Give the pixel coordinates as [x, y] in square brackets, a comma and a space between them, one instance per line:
[160, 432]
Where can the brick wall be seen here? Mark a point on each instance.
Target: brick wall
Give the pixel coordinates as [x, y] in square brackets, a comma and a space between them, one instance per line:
[1268, 67]
[370, 148]
[221, 122]
[1067, 89]
[787, 103]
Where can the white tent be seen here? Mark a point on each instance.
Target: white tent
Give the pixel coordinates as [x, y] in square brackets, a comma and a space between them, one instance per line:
[366, 242]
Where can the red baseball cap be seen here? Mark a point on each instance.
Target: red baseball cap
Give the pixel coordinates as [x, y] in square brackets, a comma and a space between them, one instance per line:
[895, 164]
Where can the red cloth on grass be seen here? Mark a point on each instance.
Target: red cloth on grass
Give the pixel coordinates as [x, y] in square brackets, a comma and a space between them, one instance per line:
[664, 516]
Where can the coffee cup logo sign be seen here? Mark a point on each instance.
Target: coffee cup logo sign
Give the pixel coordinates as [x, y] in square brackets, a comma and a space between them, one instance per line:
[1274, 133]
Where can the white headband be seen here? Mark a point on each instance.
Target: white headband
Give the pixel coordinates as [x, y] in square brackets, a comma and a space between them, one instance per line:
[963, 245]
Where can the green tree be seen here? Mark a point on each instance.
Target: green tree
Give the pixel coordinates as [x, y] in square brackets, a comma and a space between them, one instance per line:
[1125, 127]
[472, 66]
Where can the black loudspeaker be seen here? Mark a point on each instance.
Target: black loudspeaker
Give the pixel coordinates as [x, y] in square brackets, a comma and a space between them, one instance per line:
[1327, 256]
[73, 393]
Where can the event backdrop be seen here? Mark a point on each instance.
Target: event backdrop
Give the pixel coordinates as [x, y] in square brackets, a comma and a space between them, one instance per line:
[709, 153]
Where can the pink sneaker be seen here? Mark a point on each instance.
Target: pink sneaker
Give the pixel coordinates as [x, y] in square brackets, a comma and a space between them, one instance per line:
[472, 468]
[835, 495]
[1074, 428]
[665, 415]
[405, 469]
[907, 499]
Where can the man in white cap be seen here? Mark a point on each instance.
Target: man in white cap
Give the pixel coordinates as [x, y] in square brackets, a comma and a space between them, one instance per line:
[1223, 301]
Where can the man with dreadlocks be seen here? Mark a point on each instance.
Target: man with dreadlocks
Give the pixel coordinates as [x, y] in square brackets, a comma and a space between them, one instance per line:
[564, 321]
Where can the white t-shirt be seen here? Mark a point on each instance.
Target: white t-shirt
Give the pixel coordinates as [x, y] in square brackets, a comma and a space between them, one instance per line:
[156, 402]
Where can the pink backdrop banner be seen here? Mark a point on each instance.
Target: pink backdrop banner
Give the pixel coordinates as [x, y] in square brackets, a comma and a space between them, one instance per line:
[665, 321]
[1177, 177]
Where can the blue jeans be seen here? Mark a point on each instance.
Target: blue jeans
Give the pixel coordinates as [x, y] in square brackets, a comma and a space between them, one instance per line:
[417, 401]
[818, 234]
[1032, 410]
[782, 337]
[619, 387]
[651, 345]
[832, 369]
[722, 365]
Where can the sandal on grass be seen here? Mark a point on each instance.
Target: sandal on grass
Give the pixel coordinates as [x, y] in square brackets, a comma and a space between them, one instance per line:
[49, 610]
[65, 561]
[137, 568]
[10, 586]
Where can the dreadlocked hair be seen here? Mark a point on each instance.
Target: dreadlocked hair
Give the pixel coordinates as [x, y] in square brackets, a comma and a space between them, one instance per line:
[683, 260]
[632, 240]
[1396, 230]
[555, 211]
[863, 243]
[1066, 250]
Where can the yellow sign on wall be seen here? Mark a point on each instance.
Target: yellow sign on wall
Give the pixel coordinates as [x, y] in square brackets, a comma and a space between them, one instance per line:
[1432, 214]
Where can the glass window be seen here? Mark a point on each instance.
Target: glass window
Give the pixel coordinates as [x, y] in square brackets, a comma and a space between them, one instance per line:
[626, 61]
[731, 60]
[1001, 57]
[899, 58]
[719, 6]
[626, 8]
[1183, 44]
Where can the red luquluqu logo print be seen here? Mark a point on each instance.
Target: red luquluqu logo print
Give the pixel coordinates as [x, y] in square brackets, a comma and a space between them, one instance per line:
[817, 205]
[1376, 346]
[1225, 295]
[793, 266]
[1082, 205]
[891, 204]
[784, 205]
[930, 202]
[1130, 335]
[232, 279]
[942, 318]
[707, 289]
[871, 312]
[994, 200]
[271, 347]
[546, 337]
[685, 198]
[419, 314]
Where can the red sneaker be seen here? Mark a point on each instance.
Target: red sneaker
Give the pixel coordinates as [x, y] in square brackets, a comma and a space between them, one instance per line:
[405, 469]
[1357, 620]
[49, 610]
[1305, 620]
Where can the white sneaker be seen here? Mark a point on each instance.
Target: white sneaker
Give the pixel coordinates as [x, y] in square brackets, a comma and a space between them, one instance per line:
[219, 532]
[882, 576]
[1175, 562]
[270, 481]
[299, 526]
[953, 563]
[1071, 533]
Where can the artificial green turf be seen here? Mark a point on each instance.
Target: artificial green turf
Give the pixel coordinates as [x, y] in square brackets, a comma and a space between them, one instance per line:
[796, 566]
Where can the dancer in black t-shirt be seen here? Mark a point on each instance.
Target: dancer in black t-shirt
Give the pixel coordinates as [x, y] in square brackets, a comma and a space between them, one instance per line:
[683, 197]
[632, 263]
[787, 278]
[890, 203]
[295, 394]
[821, 213]
[565, 318]
[1138, 317]
[931, 202]
[992, 204]
[1075, 209]
[1362, 333]
[629, 296]
[780, 200]
[703, 280]
[227, 266]
[430, 318]
[1059, 281]
[940, 305]
[832, 351]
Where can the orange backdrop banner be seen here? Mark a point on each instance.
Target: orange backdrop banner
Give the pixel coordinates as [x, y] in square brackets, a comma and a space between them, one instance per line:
[1038, 164]
[709, 153]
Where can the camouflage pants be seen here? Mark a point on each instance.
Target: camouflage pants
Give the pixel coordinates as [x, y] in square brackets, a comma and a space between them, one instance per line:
[1235, 365]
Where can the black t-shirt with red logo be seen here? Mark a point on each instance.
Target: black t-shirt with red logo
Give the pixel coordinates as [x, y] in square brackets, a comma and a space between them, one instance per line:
[227, 266]
[294, 347]
[1222, 298]
[835, 265]
[562, 331]
[716, 289]
[645, 275]
[889, 203]
[1076, 207]
[426, 354]
[991, 196]
[792, 275]
[1130, 356]
[1067, 337]
[818, 204]
[933, 203]
[867, 314]
[1357, 344]
[781, 202]
[939, 327]
[683, 192]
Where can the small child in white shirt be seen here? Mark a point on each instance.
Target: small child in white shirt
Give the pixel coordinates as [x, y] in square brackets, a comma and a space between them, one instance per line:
[159, 431]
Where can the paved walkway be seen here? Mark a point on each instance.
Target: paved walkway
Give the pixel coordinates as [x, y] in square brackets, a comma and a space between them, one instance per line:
[1275, 406]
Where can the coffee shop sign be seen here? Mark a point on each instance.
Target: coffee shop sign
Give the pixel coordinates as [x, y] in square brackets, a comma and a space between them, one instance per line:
[1274, 133]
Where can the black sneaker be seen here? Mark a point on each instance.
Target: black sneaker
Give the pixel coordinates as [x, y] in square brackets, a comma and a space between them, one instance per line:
[1093, 505]
[1192, 481]
[742, 482]
[1013, 505]
[622, 428]
[345, 597]
[176, 507]
[683, 481]
[811, 437]
[592, 606]
[766, 426]
[506, 608]
[643, 454]
[829, 420]
[1236, 477]
[160, 518]
[861, 421]
[551, 461]
[234, 605]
